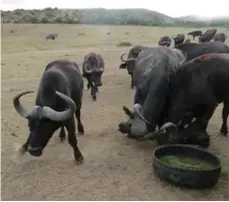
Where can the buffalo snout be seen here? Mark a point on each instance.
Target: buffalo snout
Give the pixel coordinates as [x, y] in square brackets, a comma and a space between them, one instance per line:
[34, 151]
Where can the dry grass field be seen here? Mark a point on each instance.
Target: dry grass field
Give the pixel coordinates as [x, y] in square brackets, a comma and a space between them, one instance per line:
[115, 167]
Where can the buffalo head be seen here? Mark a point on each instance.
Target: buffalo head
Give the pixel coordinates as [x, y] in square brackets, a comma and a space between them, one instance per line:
[43, 121]
[136, 125]
[94, 68]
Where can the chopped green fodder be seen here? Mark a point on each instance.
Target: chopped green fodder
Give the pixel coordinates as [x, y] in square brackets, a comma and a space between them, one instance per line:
[181, 161]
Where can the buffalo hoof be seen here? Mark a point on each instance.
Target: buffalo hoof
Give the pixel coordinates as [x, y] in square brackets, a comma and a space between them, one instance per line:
[79, 158]
[224, 131]
[81, 133]
[94, 98]
[62, 136]
[80, 130]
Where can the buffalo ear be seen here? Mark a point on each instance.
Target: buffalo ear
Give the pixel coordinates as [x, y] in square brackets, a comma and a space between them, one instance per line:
[122, 66]
[127, 112]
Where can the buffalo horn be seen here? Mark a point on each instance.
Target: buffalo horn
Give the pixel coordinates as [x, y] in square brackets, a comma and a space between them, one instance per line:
[122, 57]
[185, 58]
[160, 131]
[87, 70]
[137, 108]
[60, 116]
[167, 125]
[21, 110]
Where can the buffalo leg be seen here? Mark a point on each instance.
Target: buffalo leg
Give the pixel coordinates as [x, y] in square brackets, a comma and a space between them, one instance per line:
[93, 92]
[80, 125]
[62, 134]
[209, 110]
[88, 85]
[225, 112]
[132, 81]
[70, 125]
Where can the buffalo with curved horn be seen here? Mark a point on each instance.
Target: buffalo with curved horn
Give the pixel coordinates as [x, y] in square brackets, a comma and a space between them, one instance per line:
[93, 68]
[59, 97]
[202, 83]
[128, 63]
[154, 69]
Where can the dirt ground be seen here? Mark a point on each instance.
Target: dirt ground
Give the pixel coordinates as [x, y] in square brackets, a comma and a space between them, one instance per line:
[115, 167]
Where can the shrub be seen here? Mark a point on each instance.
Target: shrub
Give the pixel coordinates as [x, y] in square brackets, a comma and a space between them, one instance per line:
[124, 43]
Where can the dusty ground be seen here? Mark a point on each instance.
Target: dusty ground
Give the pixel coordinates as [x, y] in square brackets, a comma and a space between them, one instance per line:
[115, 167]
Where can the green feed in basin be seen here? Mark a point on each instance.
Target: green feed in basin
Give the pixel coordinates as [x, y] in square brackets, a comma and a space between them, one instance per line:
[186, 162]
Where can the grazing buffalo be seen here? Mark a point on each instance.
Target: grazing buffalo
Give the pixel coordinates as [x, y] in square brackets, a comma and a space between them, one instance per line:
[220, 37]
[193, 50]
[153, 71]
[59, 97]
[207, 36]
[179, 39]
[93, 68]
[195, 33]
[128, 63]
[165, 41]
[200, 85]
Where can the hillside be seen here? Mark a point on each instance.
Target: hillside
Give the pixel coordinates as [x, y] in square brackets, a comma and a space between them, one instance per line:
[103, 16]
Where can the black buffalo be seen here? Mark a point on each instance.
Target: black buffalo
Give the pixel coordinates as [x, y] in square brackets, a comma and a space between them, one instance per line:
[179, 39]
[195, 33]
[199, 86]
[220, 37]
[193, 50]
[165, 41]
[154, 69]
[93, 68]
[59, 96]
[128, 63]
[207, 36]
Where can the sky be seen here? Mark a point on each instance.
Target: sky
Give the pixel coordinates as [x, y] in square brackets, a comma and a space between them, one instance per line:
[173, 8]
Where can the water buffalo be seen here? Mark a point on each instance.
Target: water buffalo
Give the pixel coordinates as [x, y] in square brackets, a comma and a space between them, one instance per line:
[195, 49]
[220, 37]
[195, 33]
[178, 39]
[93, 68]
[153, 70]
[128, 63]
[59, 96]
[201, 83]
[165, 41]
[207, 36]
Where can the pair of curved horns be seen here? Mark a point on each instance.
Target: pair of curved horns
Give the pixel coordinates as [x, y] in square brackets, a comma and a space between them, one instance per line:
[45, 112]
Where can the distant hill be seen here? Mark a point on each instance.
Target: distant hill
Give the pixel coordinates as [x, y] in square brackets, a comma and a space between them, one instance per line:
[103, 16]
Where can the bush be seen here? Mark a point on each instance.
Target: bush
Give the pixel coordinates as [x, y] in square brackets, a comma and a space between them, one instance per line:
[124, 43]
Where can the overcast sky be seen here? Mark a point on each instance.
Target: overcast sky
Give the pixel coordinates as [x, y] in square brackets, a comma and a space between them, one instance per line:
[174, 8]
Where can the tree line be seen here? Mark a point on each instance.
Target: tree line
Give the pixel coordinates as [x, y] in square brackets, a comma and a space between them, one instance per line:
[140, 17]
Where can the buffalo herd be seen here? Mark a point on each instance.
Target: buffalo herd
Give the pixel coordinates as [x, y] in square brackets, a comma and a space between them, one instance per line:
[177, 90]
